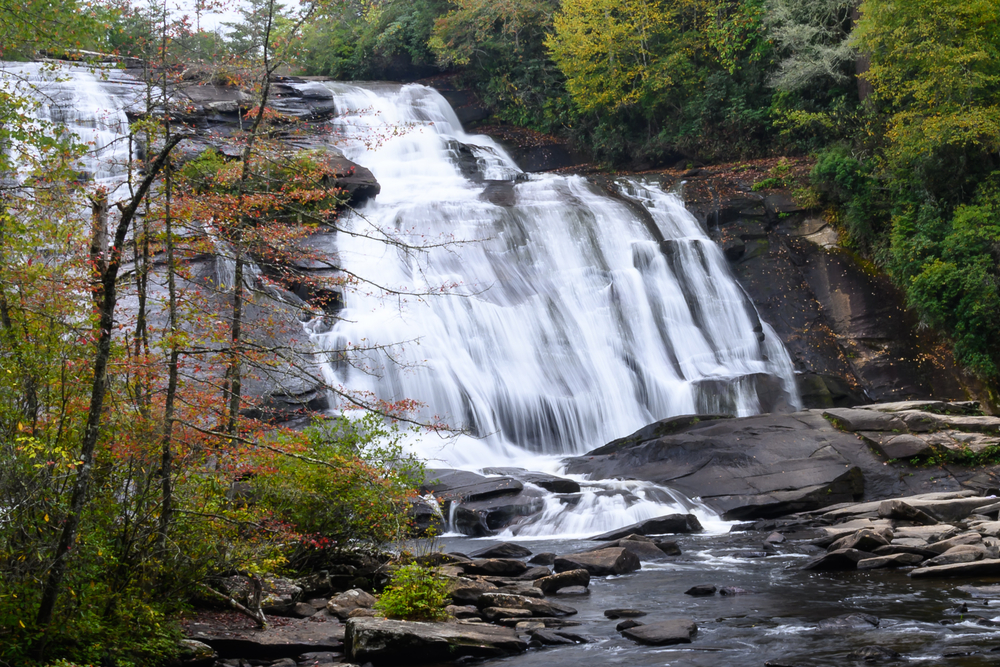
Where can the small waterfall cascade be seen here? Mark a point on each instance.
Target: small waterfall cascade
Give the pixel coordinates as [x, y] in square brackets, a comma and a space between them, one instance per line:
[538, 314]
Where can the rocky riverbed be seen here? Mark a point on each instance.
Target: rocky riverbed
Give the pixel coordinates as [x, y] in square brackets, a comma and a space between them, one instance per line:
[853, 556]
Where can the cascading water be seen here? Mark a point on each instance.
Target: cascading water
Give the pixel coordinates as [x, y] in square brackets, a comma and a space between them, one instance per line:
[89, 103]
[542, 316]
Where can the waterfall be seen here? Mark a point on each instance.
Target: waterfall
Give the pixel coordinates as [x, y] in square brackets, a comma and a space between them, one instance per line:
[88, 102]
[534, 312]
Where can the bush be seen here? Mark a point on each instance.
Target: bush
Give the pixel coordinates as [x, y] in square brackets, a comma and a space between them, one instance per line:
[415, 593]
[348, 486]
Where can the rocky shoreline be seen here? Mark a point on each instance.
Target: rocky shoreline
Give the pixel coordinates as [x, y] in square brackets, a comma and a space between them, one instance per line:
[826, 489]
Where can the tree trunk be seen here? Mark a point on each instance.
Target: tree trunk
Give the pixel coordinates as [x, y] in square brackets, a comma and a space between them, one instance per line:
[102, 354]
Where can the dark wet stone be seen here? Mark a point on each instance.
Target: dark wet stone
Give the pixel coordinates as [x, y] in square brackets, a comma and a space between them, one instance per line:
[897, 509]
[669, 548]
[628, 623]
[624, 613]
[550, 638]
[863, 540]
[890, 561]
[873, 654]
[534, 605]
[853, 621]
[555, 582]
[405, 642]
[842, 559]
[550, 483]
[663, 633]
[615, 560]
[672, 523]
[701, 590]
[752, 467]
[546, 558]
[502, 550]
[496, 566]
[982, 568]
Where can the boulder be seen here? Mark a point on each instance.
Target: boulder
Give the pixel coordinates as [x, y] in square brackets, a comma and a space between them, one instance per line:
[891, 549]
[343, 604]
[496, 613]
[193, 653]
[628, 623]
[873, 654]
[852, 621]
[669, 548]
[462, 486]
[897, 509]
[550, 638]
[863, 540]
[965, 553]
[851, 419]
[889, 561]
[752, 467]
[981, 568]
[545, 558]
[462, 611]
[701, 590]
[383, 641]
[533, 573]
[485, 517]
[959, 540]
[565, 579]
[615, 614]
[842, 559]
[501, 567]
[663, 633]
[672, 523]
[550, 483]
[289, 639]
[502, 550]
[902, 447]
[535, 606]
[602, 563]
[467, 591]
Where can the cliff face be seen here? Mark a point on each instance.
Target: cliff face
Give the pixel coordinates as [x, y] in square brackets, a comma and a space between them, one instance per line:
[844, 323]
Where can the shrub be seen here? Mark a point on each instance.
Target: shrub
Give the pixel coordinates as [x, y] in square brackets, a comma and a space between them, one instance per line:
[415, 593]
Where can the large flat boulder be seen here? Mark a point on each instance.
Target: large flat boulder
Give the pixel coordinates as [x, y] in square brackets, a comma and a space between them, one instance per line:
[600, 563]
[981, 568]
[548, 482]
[852, 419]
[752, 467]
[533, 605]
[663, 633]
[463, 486]
[383, 641]
[672, 523]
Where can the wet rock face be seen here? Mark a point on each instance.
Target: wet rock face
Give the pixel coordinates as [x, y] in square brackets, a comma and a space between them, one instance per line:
[844, 324]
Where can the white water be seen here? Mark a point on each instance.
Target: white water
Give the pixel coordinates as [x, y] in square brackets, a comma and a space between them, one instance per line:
[543, 328]
[81, 100]
[543, 325]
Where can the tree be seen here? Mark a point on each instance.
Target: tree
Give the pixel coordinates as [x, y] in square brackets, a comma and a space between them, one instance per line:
[812, 36]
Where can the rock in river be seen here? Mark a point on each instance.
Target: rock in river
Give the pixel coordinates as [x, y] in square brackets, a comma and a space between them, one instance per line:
[663, 633]
[602, 563]
[383, 641]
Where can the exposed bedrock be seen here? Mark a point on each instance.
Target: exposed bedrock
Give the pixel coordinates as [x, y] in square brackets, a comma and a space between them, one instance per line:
[772, 465]
[844, 323]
